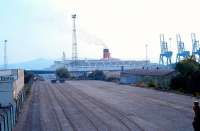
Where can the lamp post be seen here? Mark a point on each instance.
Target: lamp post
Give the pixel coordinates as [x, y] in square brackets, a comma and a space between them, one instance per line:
[170, 42]
[5, 53]
[146, 46]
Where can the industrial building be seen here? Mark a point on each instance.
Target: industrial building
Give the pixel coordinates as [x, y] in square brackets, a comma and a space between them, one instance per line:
[11, 97]
[161, 77]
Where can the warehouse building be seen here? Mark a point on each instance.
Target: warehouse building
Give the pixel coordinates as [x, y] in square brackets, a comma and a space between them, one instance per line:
[11, 97]
[161, 77]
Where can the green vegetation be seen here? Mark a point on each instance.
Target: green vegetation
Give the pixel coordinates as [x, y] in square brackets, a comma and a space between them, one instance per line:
[187, 67]
[28, 81]
[151, 84]
[113, 79]
[188, 78]
[62, 73]
[28, 77]
[96, 75]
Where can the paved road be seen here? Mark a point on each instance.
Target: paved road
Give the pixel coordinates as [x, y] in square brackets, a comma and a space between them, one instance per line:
[103, 106]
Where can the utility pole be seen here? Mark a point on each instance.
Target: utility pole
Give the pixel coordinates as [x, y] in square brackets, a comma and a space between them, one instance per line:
[170, 43]
[63, 56]
[5, 54]
[146, 46]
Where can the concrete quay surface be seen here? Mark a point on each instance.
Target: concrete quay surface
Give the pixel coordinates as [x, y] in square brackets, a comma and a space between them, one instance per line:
[103, 106]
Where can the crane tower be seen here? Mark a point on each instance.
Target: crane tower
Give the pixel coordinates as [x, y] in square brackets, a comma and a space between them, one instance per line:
[74, 39]
[181, 49]
[165, 53]
[195, 47]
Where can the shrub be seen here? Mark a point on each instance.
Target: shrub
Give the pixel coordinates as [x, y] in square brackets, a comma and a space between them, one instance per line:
[188, 79]
[62, 73]
[151, 84]
[187, 66]
[178, 82]
[195, 82]
[96, 75]
[28, 76]
[112, 79]
[140, 84]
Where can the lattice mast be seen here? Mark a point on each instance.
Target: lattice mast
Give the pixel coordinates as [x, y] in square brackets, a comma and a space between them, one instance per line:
[74, 39]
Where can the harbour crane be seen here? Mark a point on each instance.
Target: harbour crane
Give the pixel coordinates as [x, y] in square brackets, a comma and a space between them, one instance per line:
[195, 47]
[165, 53]
[182, 53]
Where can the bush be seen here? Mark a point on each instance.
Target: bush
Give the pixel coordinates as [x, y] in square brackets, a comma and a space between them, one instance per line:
[188, 79]
[178, 82]
[113, 79]
[151, 84]
[96, 75]
[28, 77]
[62, 73]
[140, 84]
[187, 66]
[195, 82]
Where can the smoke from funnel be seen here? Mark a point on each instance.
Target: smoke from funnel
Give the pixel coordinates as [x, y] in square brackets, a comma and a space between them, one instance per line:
[91, 39]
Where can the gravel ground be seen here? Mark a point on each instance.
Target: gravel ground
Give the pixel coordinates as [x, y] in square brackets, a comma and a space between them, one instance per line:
[103, 106]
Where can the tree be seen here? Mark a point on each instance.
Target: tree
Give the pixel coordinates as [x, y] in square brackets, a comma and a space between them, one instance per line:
[28, 76]
[62, 73]
[188, 78]
[178, 82]
[187, 66]
[195, 81]
[97, 75]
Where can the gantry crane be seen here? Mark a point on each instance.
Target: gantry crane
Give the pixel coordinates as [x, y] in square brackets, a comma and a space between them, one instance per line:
[195, 47]
[165, 53]
[181, 49]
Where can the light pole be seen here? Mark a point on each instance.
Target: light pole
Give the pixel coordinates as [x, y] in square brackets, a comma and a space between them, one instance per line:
[170, 41]
[146, 46]
[5, 53]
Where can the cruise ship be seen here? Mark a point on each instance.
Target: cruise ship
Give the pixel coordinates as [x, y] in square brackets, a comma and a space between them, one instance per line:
[106, 64]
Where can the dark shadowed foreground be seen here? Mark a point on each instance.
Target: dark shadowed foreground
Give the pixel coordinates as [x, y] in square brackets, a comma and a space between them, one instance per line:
[103, 106]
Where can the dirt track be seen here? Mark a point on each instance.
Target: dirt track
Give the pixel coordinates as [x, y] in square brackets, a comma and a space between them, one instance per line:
[103, 106]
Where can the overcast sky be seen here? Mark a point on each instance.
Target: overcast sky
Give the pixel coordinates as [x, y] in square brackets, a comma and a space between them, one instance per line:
[42, 28]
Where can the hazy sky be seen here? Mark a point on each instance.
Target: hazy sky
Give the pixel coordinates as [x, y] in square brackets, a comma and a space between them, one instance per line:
[42, 28]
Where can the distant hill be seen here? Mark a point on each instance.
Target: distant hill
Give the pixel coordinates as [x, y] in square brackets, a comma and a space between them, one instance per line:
[36, 64]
